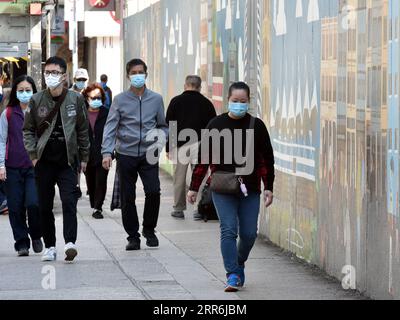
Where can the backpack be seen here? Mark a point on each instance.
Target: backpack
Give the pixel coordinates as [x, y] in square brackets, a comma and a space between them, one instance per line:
[206, 206]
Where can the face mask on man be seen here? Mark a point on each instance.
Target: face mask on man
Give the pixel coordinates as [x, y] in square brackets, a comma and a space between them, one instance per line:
[53, 81]
[80, 85]
[24, 96]
[95, 104]
[104, 85]
[238, 109]
[138, 80]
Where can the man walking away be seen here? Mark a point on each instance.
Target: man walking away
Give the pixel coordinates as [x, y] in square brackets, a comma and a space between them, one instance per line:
[57, 140]
[134, 116]
[191, 110]
[109, 96]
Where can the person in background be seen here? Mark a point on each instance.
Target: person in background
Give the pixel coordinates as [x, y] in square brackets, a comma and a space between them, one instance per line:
[57, 140]
[96, 175]
[238, 213]
[3, 199]
[109, 96]
[80, 80]
[191, 110]
[17, 172]
[135, 114]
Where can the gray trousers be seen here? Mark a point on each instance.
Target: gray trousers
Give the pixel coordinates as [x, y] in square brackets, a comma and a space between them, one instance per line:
[184, 158]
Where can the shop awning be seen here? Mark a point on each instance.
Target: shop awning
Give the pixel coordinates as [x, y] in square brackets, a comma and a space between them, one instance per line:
[11, 59]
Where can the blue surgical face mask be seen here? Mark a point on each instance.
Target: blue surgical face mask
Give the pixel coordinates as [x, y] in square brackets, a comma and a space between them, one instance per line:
[80, 85]
[104, 85]
[25, 96]
[138, 80]
[95, 104]
[238, 109]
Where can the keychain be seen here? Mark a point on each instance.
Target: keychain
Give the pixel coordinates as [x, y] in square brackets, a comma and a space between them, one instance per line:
[243, 188]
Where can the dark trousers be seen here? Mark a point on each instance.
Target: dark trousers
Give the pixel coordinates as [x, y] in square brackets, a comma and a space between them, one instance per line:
[22, 198]
[48, 175]
[129, 169]
[2, 192]
[96, 180]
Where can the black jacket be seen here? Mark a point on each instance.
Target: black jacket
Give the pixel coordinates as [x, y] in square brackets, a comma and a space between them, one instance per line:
[96, 138]
[191, 110]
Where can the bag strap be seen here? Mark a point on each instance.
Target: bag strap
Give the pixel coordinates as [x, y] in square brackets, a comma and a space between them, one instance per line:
[49, 119]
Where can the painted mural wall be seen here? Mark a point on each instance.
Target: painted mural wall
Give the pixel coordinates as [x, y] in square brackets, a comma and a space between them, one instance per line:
[325, 79]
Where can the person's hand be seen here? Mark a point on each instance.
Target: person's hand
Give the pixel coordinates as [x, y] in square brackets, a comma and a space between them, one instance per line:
[192, 197]
[107, 163]
[268, 198]
[83, 166]
[34, 162]
[3, 174]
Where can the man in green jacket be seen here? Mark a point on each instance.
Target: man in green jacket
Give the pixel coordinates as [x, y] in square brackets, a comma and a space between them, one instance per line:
[57, 140]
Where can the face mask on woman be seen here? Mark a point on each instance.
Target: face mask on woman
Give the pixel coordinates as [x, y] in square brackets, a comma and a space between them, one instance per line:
[95, 104]
[138, 80]
[238, 109]
[24, 96]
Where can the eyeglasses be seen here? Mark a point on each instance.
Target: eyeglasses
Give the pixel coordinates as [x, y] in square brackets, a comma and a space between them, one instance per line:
[53, 73]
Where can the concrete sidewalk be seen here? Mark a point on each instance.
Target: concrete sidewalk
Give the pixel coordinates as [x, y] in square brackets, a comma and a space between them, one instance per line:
[187, 266]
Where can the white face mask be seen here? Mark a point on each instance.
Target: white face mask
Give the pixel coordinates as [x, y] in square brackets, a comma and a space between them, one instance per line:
[53, 81]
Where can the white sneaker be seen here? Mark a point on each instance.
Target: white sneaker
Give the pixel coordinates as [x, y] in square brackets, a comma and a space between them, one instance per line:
[70, 252]
[50, 254]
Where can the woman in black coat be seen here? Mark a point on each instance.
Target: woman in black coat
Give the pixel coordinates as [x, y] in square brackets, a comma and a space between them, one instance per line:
[96, 175]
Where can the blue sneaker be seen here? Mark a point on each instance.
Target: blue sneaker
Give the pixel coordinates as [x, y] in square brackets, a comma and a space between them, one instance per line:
[233, 283]
[242, 276]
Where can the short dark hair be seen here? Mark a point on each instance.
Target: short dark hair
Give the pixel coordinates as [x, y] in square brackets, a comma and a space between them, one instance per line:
[57, 61]
[93, 86]
[193, 81]
[239, 86]
[103, 78]
[134, 63]
[13, 95]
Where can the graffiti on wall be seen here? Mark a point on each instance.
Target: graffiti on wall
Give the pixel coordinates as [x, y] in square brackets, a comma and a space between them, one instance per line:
[325, 78]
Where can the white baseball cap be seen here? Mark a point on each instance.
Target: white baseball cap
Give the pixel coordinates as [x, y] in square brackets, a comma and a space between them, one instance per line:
[81, 74]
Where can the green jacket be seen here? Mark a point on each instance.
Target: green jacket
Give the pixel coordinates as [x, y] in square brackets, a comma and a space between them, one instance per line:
[75, 122]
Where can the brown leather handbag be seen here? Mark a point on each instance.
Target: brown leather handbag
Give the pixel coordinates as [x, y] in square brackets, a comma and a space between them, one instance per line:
[228, 182]
[225, 182]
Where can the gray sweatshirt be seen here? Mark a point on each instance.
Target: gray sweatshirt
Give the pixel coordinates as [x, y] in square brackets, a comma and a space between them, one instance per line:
[133, 122]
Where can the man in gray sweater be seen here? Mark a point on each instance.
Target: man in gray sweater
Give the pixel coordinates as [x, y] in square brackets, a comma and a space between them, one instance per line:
[136, 117]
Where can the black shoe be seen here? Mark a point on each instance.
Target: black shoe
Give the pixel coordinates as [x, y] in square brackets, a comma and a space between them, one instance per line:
[37, 246]
[133, 245]
[178, 214]
[151, 240]
[97, 215]
[197, 216]
[24, 252]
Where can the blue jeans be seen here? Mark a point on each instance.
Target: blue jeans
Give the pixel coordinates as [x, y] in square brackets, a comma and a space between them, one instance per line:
[22, 198]
[238, 215]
